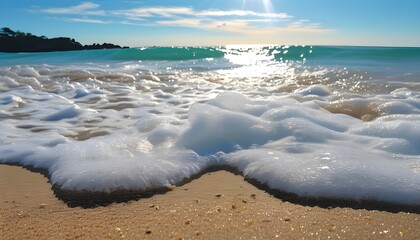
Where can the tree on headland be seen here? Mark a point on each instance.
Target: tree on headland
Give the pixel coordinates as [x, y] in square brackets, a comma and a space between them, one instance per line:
[7, 32]
[18, 41]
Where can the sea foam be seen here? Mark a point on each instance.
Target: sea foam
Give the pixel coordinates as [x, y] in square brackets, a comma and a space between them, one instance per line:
[290, 146]
[315, 131]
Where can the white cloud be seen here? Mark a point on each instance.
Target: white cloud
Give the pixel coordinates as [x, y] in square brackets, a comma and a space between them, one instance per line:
[243, 26]
[154, 11]
[182, 22]
[217, 13]
[230, 21]
[234, 26]
[87, 8]
[184, 11]
[85, 20]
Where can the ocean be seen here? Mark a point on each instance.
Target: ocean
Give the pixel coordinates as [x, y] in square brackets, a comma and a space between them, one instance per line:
[316, 121]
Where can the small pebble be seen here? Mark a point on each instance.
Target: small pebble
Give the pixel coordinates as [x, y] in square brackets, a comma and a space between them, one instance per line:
[148, 231]
[218, 195]
[42, 205]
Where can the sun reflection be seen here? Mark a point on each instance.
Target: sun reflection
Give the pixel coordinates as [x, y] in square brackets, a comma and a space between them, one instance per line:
[273, 68]
[249, 54]
[254, 61]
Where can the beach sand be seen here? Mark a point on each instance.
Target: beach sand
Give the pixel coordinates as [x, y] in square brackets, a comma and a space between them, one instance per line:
[217, 205]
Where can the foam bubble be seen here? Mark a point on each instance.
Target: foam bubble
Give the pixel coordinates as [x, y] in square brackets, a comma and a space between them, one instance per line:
[318, 90]
[69, 112]
[397, 108]
[112, 127]
[7, 82]
[10, 99]
[28, 72]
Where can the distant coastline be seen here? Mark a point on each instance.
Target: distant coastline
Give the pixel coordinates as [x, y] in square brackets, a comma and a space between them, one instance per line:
[17, 41]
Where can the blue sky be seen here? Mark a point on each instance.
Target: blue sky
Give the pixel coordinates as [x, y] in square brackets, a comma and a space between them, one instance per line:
[220, 22]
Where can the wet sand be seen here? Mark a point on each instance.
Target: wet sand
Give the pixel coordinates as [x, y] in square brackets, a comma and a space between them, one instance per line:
[217, 205]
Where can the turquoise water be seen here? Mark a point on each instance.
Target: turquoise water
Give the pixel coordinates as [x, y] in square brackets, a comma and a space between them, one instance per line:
[379, 62]
[279, 53]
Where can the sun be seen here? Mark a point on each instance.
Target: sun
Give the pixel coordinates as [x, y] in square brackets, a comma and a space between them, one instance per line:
[268, 6]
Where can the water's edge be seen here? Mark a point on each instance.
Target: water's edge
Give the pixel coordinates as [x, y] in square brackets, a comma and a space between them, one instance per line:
[88, 199]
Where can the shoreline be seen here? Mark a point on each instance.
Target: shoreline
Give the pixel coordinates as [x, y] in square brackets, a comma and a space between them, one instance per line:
[87, 199]
[217, 204]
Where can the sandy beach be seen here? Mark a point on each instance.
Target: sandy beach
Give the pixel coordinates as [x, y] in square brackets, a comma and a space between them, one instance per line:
[217, 205]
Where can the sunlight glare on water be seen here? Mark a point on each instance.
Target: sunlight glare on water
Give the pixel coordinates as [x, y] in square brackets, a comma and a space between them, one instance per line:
[255, 61]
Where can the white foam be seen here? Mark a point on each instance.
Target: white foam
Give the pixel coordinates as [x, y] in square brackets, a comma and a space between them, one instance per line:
[27, 72]
[11, 99]
[397, 108]
[318, 90]
[333, 170]
[68, 112]
[143, 134]
[7, 82]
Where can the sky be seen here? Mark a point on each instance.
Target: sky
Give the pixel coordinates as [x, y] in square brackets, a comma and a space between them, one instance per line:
[137, 23]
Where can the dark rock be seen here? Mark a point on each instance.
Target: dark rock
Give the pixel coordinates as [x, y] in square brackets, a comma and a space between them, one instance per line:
[11, 41]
